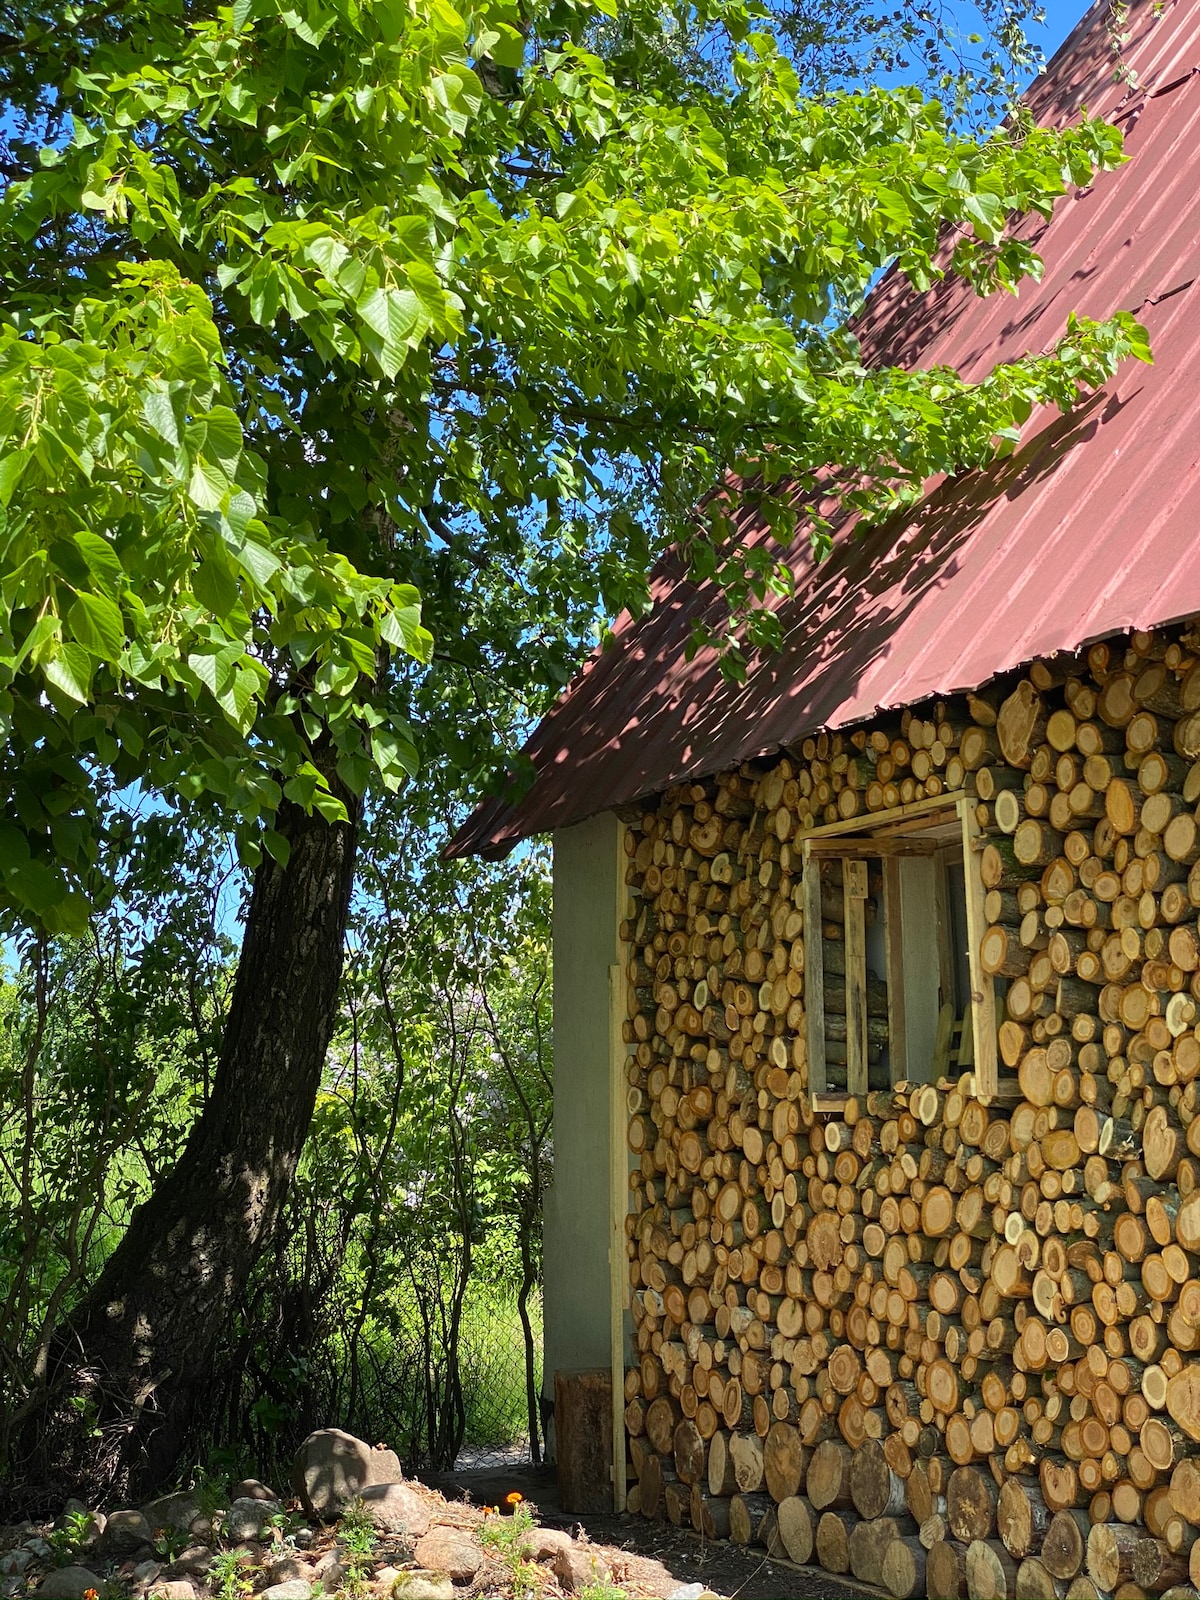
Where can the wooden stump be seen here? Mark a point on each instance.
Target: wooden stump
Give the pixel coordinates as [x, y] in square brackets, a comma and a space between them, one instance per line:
[1035, 1582]
[833, 1544]
[783, 1461]
[874, 1488]
[1110, 1550]
[828, 1481]
[903, 1570]
[970, 1505]
[747, 1513]
[991, 1571]
[946, 1571]
[1021, 1518]
[1064, 1548]
[868, 1544]
[796, 1529]
[583, 1418]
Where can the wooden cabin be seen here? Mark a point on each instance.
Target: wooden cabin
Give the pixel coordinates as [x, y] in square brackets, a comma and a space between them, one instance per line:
[877, 978]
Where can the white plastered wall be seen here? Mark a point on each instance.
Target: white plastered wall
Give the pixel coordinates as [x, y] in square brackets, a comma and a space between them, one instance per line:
[583, 1212]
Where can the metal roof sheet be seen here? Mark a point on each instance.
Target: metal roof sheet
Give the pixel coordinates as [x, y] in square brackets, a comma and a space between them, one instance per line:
[1090, 529]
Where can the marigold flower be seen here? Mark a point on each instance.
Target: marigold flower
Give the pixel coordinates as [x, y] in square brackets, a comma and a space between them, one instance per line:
[513, 1498]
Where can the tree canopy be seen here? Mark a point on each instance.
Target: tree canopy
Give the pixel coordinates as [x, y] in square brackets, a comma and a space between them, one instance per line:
[335, 336]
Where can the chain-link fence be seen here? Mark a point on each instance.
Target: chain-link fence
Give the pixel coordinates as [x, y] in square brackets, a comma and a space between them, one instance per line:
[492, 1360]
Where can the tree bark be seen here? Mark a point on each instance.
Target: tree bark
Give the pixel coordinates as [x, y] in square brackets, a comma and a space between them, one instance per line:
[135, 1354]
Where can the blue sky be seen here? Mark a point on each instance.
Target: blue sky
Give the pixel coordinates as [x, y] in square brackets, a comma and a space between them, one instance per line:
[1061, 17]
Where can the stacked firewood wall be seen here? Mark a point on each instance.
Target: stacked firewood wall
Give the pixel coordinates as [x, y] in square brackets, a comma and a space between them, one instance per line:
[945, 1345]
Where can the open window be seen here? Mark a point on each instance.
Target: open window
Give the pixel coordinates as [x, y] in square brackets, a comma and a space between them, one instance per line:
[893, 916]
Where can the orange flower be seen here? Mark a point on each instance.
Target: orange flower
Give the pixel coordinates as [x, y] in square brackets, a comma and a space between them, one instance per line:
[91, 1594]
[514, 1498]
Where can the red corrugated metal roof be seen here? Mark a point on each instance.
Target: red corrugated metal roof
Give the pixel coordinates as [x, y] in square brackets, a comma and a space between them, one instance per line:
[1088, 530]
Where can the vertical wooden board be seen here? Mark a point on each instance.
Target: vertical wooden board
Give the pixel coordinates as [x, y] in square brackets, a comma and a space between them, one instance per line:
[814, 974]
[894, 948]
[921, 964]
[983, 992]
[943, 926]
[854, 896]
[618, 1202]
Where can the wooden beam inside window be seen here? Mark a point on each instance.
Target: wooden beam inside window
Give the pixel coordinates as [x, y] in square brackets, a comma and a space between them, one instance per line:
[983, 992]
[814, 975]
[893, 936]
[854, 901]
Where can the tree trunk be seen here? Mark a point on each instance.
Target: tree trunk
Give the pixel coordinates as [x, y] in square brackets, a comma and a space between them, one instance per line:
[136, 1353]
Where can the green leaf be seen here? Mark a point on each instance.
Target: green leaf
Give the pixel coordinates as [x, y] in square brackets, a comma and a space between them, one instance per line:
[277, 846]
[70, 671]
[207, 486]
[102, 561]
[97, 624]
[398, 319]
[159, 412]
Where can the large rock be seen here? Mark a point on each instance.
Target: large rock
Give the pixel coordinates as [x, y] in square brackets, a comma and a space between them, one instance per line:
[124, 1532]
[287, 1568]
[174, 1589]
[294, 1589]
[253, 1489]
[579, 1567]
[69, 1583]
[423, 1586]
[543, 1545]
[172, 1511]
[332, 1468]
[395, 1508]
[246, 1519]
[450, 1550]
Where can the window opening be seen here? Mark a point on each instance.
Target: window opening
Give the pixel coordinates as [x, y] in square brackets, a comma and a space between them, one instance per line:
[893, 991]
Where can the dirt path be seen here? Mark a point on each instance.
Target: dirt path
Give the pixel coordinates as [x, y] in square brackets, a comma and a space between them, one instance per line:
[726, 1569]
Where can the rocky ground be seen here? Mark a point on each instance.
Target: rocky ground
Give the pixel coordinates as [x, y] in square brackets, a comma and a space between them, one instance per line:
[352, 1527]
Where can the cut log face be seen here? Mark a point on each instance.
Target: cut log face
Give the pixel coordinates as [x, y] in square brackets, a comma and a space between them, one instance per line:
[874, 1488]
[971, 1500]
[881, 1269]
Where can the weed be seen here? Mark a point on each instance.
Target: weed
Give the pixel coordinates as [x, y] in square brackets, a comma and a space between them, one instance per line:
[68, 1540]
[230, 1579]
[509, 1538]
[356, 1546]
[169, 1542]
[599, 1590]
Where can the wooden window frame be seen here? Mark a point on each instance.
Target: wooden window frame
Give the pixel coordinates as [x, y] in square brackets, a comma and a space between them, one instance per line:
[920, 829]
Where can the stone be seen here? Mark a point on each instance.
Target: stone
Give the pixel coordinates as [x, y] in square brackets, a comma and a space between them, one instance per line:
[543, 1545]
[304, 1538]
[385, 1577]
[423, 1586]
[450, 1550]
[294, 1589]
[578, 1567]
[252, 1489]
[395, 1508]
[246, 1519]
[172, 1511]
[385, 1466]
[193, 1562]
[175, 1589]
[287, 1569]
[329, 1569]
[332, 1468]
[125, 1531]
[69, 1583]
[145, 1572]
[13, 1562]
[37, 1546]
